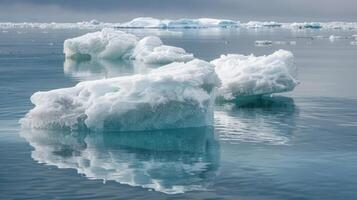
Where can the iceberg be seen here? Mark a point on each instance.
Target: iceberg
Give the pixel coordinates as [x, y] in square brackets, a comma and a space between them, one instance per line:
[168, 161]
[107, 44]
[117, 45]
[257, 24]
[250, 76]
[177, 95]
[144, 22]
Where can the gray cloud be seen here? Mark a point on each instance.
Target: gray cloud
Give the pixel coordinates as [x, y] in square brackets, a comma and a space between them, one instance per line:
[119, 10]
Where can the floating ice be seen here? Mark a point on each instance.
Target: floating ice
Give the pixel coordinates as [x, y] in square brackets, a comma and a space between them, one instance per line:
[151, 50]
[244, 76]
[174, 161]
[263, 43]
[113, 44]
[354, 43]
[108, 44]
[177, 95]
[148, 22]
[332, 38]
[145, 22]
[306, 25]
[257, 24]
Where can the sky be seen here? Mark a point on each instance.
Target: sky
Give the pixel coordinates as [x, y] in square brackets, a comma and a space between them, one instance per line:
[120, 10]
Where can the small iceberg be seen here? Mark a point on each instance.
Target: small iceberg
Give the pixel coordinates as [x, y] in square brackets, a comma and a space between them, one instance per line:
[262, 43]
[178, 95]
[117, 45]
[245, 77]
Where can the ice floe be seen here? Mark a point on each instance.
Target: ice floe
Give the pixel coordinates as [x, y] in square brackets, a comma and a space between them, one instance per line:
[243, 76]
[107, 43]
[263, 43]
[177, 95]
[114, 45]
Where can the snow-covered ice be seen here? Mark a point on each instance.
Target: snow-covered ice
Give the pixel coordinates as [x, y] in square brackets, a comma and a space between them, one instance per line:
[107, 43]
[117, 45]
[177, 95]
[244, 76]
[151, 50]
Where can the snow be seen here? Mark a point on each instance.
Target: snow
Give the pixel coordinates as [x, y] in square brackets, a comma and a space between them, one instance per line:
[150, 50]
[117, 45]
[177, 95]
[244, 76]
[107, 44]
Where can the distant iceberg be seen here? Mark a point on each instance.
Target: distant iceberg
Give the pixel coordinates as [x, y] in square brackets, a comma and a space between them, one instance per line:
[148, 22]
[177, 95]
[249, 76]
[117, 45]
[183, 23]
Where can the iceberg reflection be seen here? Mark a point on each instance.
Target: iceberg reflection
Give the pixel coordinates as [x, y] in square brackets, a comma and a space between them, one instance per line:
[267, 119]
[172, 161]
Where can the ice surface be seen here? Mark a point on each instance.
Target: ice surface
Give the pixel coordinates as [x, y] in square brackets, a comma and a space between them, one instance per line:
[151, 50]
[177, 95]
[244, 76]
[173, 161]
[108, 44]
[117, 45]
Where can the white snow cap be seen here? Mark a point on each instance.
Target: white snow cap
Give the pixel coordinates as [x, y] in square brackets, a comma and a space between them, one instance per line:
[113, 44]
[177, 95]
[151, 50]
[250, 75]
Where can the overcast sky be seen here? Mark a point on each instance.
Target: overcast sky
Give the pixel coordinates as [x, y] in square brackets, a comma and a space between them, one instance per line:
[120, 10]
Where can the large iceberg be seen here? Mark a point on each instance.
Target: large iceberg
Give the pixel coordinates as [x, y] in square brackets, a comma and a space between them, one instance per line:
[177, 95]
[117, 45]
[247, 76]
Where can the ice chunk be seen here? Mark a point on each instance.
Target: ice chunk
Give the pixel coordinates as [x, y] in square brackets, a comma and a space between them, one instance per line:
[145, 22]
[151, 50]
[263, 43]
[108, 44]
[177, 95]
[222, 23]
[306, 25]
[257, 24]
[114, 45]
[150, 159]
[244, 76]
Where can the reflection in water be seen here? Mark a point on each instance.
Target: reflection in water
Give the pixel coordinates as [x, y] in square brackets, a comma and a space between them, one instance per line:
[267, 119]
[94, 69]
[172, 161]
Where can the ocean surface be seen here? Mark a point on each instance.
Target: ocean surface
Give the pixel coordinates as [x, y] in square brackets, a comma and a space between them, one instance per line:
[296, 145]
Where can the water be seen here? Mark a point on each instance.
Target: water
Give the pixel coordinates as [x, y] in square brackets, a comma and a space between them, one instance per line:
[299, 145]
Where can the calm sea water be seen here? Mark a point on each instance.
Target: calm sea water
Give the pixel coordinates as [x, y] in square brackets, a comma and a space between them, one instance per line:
[298, 145]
